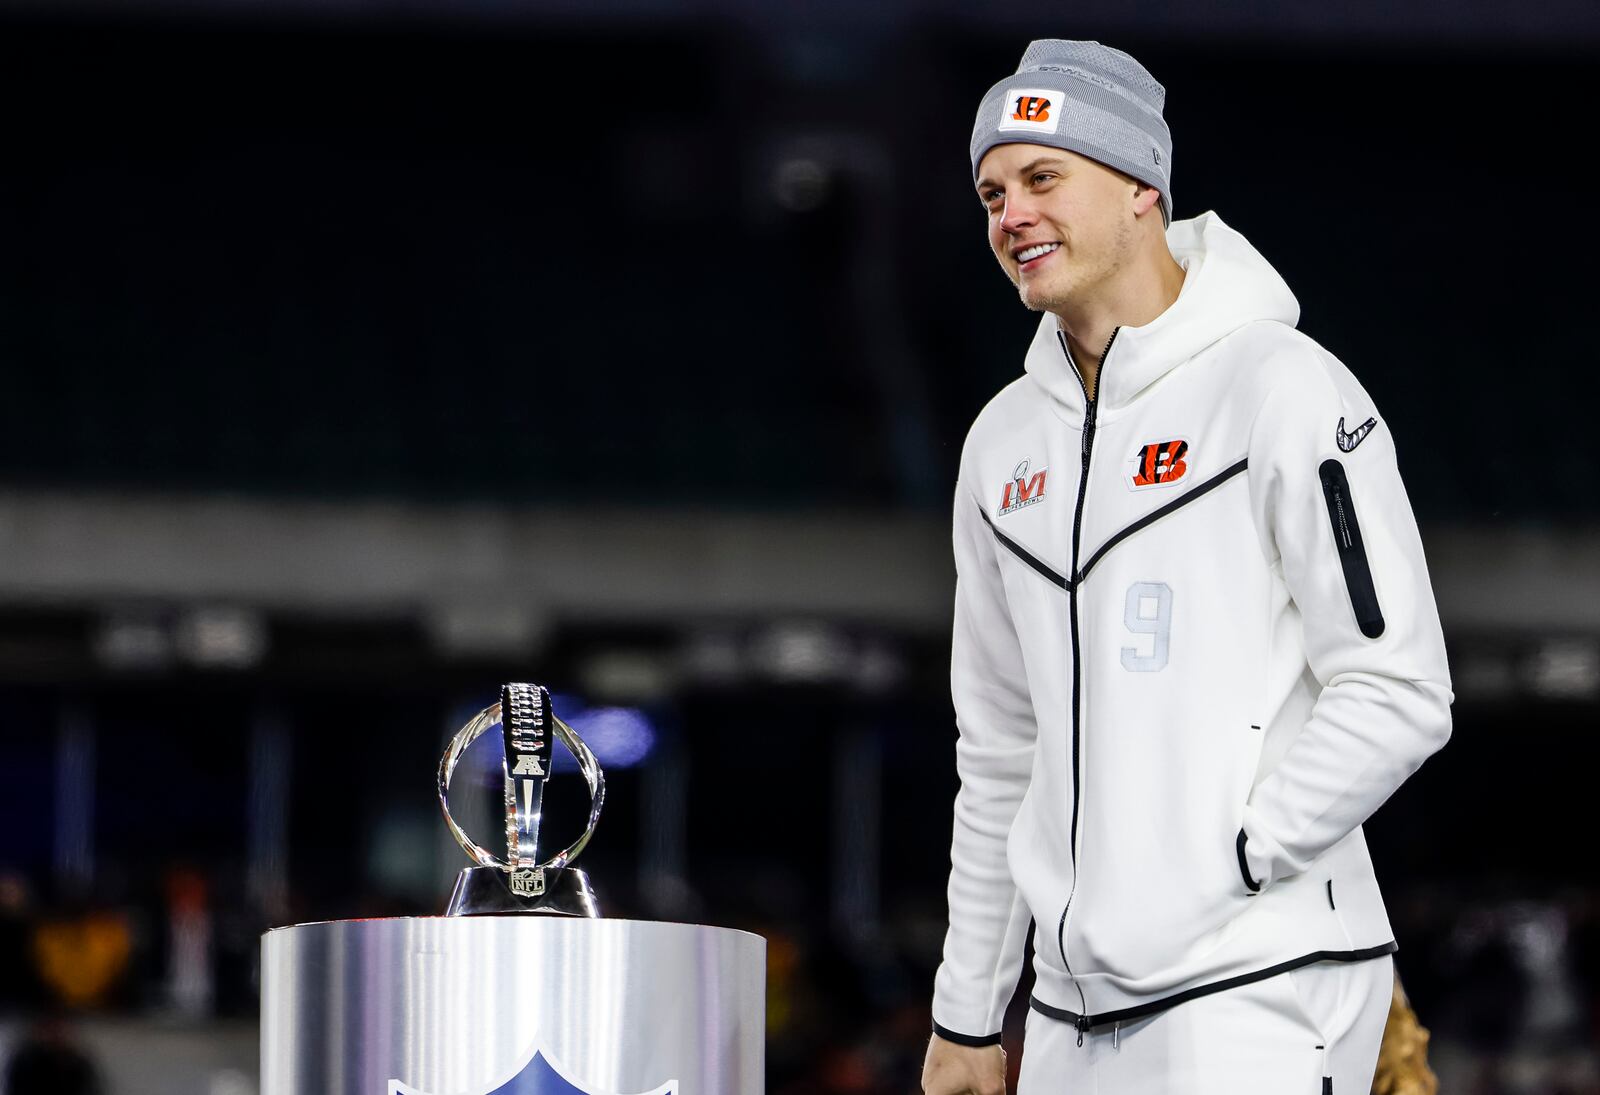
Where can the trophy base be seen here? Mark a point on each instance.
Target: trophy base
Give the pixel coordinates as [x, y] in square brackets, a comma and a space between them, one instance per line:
[553, 891]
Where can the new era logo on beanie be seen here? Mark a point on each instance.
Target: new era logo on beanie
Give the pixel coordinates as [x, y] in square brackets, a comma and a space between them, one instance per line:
[1089, 99]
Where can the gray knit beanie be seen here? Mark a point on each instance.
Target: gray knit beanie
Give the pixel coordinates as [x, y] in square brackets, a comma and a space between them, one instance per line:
[1086, 98]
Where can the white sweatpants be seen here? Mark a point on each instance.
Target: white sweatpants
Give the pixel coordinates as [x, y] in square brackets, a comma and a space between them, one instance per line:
[1311, 1031]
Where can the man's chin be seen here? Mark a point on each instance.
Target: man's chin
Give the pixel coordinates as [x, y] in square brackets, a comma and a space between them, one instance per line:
[1036, 300]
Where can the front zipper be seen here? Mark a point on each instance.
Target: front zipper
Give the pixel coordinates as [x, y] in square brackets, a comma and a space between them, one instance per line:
[1089, 415]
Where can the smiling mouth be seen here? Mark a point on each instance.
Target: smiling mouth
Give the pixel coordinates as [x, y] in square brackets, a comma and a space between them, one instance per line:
[1037, 251]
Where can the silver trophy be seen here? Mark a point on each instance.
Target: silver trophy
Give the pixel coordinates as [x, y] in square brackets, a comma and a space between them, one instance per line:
[522, 883]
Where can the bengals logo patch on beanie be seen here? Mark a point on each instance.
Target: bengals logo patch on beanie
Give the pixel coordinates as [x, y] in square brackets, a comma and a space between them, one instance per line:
[1030, 108]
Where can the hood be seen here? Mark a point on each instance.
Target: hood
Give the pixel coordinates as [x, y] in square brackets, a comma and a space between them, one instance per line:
[1226, 285]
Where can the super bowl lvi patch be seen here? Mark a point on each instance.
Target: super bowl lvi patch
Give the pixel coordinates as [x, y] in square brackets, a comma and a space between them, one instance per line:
[1022, 489]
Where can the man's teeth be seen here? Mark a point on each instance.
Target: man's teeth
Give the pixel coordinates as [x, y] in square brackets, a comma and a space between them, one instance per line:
[1030, 253]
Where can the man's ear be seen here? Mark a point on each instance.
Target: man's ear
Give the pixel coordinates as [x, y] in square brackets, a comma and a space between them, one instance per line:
[1144, 198]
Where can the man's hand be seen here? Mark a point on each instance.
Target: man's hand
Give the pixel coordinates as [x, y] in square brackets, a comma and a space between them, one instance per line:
[951, 1069]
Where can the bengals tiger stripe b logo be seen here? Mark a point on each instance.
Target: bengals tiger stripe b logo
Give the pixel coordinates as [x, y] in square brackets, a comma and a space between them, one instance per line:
[1160, 463]
[1031, 108]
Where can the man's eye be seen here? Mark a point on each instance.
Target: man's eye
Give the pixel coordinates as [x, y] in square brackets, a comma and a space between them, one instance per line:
[1043, 176]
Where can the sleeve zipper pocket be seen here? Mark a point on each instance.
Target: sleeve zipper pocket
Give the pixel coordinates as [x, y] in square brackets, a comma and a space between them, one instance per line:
[1352, 552]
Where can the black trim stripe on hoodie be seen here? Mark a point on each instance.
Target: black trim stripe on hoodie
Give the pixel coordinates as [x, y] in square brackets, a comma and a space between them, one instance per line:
[1106, 1018]
[1150, 518]
[1161, 511]
[1022, 553]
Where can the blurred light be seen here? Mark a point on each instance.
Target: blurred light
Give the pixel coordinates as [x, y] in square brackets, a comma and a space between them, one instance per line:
[1566, 669]
[800, 184]
[223, 638]
[626, 675]
[230, 1082]
[714, 657]
[495, 629]
[133, 642]
[214, 637]
[1538, 931]
[621, 737]
[803, 653]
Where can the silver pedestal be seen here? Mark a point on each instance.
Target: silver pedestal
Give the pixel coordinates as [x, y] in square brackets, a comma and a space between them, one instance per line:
[461, 1006]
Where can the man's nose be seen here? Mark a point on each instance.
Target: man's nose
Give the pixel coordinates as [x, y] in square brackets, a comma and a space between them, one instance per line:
[1019, 213]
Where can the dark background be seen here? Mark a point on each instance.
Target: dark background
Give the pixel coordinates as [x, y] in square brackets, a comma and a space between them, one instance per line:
[709, 275]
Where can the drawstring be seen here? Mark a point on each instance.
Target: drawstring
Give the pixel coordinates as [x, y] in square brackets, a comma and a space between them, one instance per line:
[1083, 1024]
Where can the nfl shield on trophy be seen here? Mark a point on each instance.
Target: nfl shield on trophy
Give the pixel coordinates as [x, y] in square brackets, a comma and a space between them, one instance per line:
[522, 987]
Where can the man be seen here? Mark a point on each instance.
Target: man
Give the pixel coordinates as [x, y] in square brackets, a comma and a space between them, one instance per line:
[1195, 645]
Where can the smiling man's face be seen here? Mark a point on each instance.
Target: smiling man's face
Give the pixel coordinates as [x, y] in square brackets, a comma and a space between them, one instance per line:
[1061, 224]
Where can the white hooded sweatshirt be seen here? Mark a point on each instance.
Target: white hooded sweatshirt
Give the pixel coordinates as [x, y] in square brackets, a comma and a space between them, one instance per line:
[1195, 647]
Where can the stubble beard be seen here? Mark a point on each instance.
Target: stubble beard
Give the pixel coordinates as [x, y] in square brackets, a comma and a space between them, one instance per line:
[1093, 268]
[1052, 297]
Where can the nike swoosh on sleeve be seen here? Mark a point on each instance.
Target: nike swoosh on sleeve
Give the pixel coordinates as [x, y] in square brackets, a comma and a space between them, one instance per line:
[1348, 441]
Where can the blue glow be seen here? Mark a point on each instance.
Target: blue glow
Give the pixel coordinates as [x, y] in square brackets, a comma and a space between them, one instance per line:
[621, 737]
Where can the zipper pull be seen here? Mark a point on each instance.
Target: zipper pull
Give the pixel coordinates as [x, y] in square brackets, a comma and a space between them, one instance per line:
[1082, 1024]
[1116, 1036]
